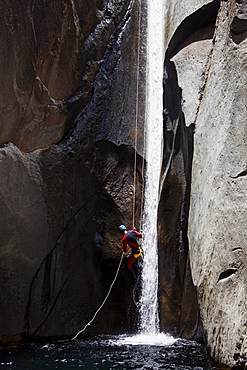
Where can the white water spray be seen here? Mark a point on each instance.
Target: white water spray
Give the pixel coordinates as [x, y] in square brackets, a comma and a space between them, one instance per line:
[149, 322]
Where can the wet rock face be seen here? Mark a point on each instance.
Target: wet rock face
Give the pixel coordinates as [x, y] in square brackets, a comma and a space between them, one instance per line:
[61, 206]
[210, 64]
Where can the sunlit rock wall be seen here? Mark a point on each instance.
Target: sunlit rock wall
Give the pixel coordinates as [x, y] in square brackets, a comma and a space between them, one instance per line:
[205, 92]
[188, 42]
[68, 134]
[217, 228]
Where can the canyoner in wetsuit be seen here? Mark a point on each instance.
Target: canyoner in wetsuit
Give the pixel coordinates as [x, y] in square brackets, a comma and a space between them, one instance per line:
[130, 240]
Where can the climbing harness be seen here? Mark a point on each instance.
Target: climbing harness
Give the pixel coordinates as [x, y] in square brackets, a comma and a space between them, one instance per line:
[138, 254]
[90, 322]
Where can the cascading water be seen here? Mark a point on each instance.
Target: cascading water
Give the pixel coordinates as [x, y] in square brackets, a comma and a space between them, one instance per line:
[149, 322]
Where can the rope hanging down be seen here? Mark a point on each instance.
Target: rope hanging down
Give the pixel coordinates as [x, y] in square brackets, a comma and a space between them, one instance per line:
[90, 322]
[137, 108]
[135, 169]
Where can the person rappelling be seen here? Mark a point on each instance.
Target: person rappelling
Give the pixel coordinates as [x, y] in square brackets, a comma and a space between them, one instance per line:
[131, 249]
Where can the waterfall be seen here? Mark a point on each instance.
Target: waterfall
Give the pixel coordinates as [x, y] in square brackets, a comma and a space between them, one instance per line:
[149, 321]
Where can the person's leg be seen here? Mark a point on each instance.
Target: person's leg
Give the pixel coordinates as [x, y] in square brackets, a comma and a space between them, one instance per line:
[137, 267]
[130, 261]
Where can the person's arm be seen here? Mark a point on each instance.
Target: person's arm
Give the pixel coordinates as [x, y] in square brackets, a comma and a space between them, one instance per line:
[125, 245]
[139, 235]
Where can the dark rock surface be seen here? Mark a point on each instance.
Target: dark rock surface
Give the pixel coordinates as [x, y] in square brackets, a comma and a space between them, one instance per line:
[73, 78]
[178, 301]
[51, 52]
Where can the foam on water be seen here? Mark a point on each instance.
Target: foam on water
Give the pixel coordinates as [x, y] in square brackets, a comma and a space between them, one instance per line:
[145, 339]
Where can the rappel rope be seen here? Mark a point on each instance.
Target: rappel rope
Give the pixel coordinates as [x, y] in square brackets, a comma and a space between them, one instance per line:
[90, 322]
[137, 110]
[136, 128]
[143, 176]
[135, 169]
[144, 145]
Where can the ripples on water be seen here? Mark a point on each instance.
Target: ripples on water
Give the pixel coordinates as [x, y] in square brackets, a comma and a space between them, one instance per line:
[106, 353]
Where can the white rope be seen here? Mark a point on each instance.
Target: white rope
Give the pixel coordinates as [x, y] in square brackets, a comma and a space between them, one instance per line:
[90, 322]
[144, 131]
[137, 109]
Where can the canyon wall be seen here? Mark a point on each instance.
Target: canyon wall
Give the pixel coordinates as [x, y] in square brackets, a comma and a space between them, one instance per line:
[205, 130]
[68, 133]
[72, 133]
